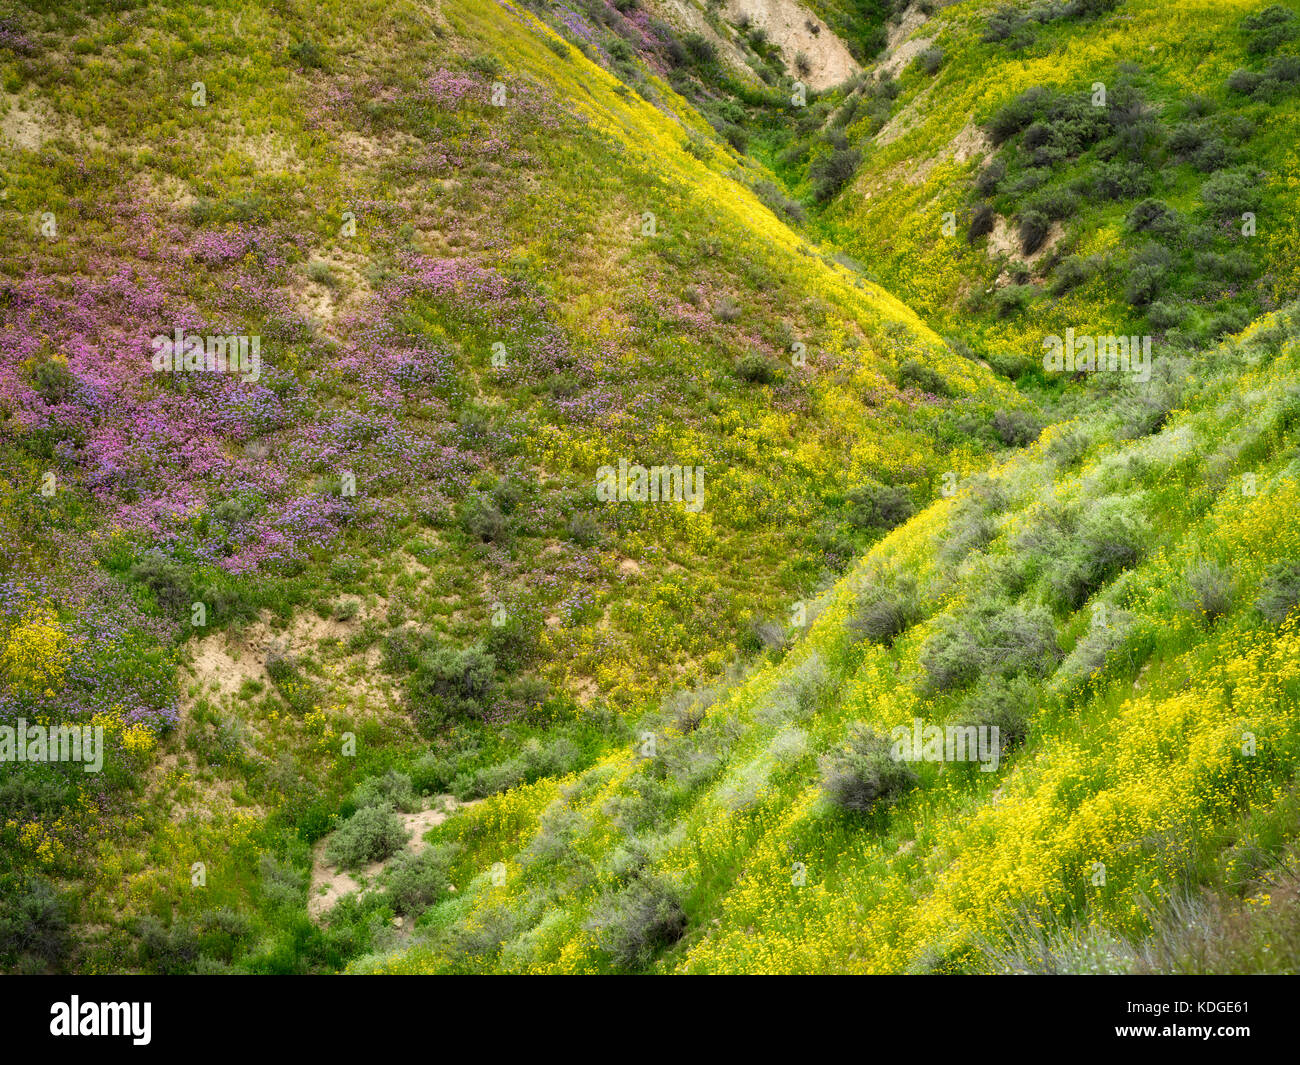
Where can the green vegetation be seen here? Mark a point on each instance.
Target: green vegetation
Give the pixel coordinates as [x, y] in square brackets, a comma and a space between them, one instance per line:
[389, 678]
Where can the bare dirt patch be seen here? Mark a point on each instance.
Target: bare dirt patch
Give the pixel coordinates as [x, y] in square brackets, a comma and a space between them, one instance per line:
[686, 16]
[970, 142]
[786, 23]
[912, 19]
[896, 63]
[1005, 241]
[27, 123]
[350, 289]
[329, 883]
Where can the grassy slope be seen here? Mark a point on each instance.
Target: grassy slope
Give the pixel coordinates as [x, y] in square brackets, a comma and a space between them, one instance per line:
[475, 225]
[539, 206]
[1134, 757]
[891, 216]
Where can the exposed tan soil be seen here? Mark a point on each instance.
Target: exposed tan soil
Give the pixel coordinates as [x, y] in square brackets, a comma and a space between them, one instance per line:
[786, 23]
[329, 883]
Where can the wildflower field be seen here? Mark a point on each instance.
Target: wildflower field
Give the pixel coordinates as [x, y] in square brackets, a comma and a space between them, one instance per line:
[489, 485]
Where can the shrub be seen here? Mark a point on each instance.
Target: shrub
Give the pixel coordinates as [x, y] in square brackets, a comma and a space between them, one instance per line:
[1121, 180]
[755, 368]
[562, 386]
[989, 640]
[1107, 543]
[322, 273]
[917, 374]
[1153, 216]
[414, 882]
[990, 177]
[1067, 449]
[170, 582]
[1284, 70]
[1234, 266]
[764, 634]
[1166, 314]
[981, 222]
[52, 380]
[832, 172]
[735, 136]
[726, 310]
[584, 530]
[1071, 273]
[286, 674]
[34, 927]
[1213, 155]
[1001, 703]
[879, 506]
[885, 609]
[483, 520]
[1145, 282]
[777, 202]
[1246, 82]
[1269, 29]
[864, 773]
[167, 950]
[1212, 589]
[222, 933]
[557, 828]
[633, 925]
[1094, 648]
[971, 526]
[449, 684]
[1146, 278]
[1016, 115]
[515, 642]
[1279, 591]
[1016, 428]
[1012, 300]
[697, 145]
[507, 494]
[1029, 180]
[1229, 321]
[1133, 120]
[1143, 414]
[930, 60]
[391, 789]
[1054, 203]
[1007, 23]
[1089, 8]
[403, 647]
[307, 54]
[699, 49]
[532, 763]
[1037, 135]
[372, 834]
[1231, 192]
[1186, 138]
[1034, 227]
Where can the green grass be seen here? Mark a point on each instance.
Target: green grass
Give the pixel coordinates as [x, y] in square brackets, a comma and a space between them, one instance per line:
[465, 309]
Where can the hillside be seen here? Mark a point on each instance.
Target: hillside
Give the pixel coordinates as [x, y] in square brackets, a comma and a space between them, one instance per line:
[1116, 608]
[397, 671]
